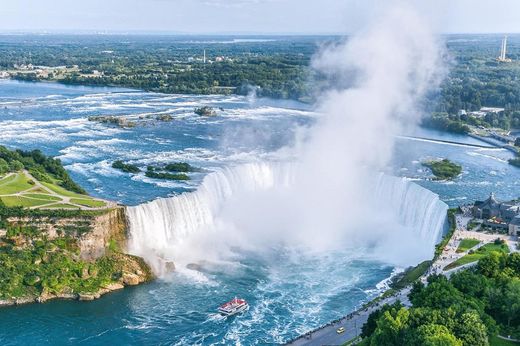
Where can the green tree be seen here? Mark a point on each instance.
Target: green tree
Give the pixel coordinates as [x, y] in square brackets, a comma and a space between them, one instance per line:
[513, 262]
[439, 294]
[470, 283]
[433, 335]
[490, 265]
[15, 166]
[4, 166]
[471, 330]
[371, 324]
[391, 328]
[511, 302]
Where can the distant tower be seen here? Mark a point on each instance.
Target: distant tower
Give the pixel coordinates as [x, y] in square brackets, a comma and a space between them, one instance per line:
[503, 51]
[204, 56]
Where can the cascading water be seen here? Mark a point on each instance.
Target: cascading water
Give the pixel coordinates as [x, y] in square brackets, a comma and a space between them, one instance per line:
[417, 207]
[159, 229]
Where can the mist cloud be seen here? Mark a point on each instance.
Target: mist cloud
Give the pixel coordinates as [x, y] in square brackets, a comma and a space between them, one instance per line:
[325, 196]
[388, 66]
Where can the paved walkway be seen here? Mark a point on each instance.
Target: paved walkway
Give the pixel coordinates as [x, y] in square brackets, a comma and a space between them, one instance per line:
[38, 186]
[327, 335]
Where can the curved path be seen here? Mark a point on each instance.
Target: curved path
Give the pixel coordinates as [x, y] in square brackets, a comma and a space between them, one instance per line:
[328, 335]
[60, 199]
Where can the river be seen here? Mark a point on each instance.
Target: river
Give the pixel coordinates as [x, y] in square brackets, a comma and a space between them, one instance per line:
[289, 292]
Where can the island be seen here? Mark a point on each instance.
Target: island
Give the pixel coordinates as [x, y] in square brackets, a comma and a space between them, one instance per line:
[113, 120]
[131, 121]
[182, 167]
[515, 162]
[205, 111]
[443, 169]
[125, 167]
[170, 171]
[55, 240]
[151, 173]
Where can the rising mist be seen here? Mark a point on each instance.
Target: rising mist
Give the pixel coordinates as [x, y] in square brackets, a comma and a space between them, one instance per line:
[327, 198]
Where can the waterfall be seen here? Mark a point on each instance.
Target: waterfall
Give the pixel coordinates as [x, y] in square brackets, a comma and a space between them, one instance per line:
[417, 207]
[160, 227]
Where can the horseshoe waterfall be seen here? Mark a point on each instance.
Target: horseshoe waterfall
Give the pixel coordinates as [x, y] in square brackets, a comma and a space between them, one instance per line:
[171, 229]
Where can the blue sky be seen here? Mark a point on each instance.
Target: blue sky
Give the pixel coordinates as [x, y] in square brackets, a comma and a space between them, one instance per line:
[245, 16]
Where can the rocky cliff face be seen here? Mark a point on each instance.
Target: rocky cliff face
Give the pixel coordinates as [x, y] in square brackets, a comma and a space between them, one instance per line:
[109, 229]
[95, 234]
[81, 257]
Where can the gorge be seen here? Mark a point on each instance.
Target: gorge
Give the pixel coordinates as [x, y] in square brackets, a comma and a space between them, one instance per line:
[192, 226]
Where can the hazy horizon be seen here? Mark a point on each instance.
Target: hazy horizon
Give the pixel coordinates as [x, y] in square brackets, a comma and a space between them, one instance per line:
[208, 34]
[245, 17]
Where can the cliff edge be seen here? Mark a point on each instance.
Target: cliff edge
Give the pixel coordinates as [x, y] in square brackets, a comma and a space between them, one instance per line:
[65, 254]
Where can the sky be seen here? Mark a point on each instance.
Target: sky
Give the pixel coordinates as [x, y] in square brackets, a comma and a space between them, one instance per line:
[246, 16]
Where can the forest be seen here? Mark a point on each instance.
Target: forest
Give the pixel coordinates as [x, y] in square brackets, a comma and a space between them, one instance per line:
[277, 67]
[43, 168]
[273, 67]
[470, 308]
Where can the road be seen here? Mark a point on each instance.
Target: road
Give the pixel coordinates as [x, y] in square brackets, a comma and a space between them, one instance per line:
[328, 335]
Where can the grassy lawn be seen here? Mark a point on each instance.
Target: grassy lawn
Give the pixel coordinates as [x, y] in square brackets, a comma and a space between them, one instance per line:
[466, 244]
[62, 206]
[13, 201]
[17, 186]
[6, 180]
[61, 191]
[496, 341]
[411, 275]
[481, 252]
[48, 198]
[16, 183]
[88, 202]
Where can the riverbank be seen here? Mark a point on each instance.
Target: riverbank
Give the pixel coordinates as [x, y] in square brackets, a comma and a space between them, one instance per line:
[494, 142]
[136, 272]
[57, 254]
[446, 255]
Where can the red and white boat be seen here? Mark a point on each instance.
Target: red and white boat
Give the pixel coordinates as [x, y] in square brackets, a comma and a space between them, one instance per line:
[233, 307]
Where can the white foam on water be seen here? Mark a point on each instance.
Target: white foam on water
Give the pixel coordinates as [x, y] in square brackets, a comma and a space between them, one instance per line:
[97, 148]
[492, 157]
[191, 224]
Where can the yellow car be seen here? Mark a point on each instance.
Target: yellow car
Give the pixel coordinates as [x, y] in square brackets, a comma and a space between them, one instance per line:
[340, 330]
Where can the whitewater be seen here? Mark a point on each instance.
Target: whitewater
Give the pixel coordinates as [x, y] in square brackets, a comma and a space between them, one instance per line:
[198, 226]
[290, 289]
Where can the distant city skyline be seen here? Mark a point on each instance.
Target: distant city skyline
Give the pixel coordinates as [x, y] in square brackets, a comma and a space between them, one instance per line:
[246, 16]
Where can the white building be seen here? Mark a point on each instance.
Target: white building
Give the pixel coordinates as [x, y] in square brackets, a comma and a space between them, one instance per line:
[487, 110]
[495, 110]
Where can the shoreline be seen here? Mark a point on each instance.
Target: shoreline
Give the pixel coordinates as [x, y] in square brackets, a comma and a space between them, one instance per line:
[493, 143]
[127, 89]
[388, 296]
[442, 257]
[128, 279]
[62, 296]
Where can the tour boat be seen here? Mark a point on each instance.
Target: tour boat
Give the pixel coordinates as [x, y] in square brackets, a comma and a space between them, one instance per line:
[233, 307]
